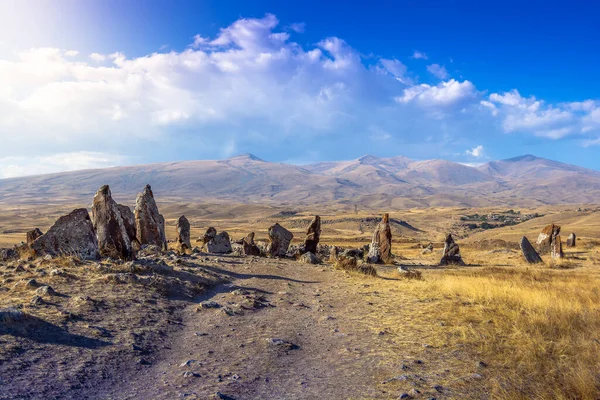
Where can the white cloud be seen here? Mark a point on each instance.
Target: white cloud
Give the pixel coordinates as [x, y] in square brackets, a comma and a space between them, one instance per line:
[438, 71]
[97, 57]
[396, 69]
[21, 166]
[450, 93]
[530, 115]
[71, 53]
[418, 55]
[476, 152]
[298, 27]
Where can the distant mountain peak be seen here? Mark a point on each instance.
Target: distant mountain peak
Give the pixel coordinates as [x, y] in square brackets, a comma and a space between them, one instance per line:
[367, 158]
[247, 156]
[526, 157]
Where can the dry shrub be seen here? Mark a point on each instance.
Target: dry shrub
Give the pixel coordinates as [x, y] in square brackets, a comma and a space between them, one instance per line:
[411, 274]
[350, 264]
[537, 328]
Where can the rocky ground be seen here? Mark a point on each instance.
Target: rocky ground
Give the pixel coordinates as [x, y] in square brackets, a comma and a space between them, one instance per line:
[207, 326]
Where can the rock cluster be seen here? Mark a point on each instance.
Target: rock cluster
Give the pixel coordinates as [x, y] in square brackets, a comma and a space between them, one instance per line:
[149, 224]
[380, 250]
[313, 234]
[529, 253]
[112, 235]
[249, 247]
[280, 239]
[72, 234]
[451, 252]
[216, 243]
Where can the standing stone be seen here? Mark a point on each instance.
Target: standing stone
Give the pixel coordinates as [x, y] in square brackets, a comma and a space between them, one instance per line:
[529, 253]
[113, 240]
[219, 243]
[183, 233]
[250, 248]
[380, 250]
[451, 252]
[208, 236]
[544, 240]
[334, 253]
[556, 251]
[280, 239]
[313, 235]
[32, 235]
[129, 222]
[572, 240]
[149, 224]
[72, 234]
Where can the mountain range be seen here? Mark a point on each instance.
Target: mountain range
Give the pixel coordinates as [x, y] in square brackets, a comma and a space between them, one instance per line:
[367, 181]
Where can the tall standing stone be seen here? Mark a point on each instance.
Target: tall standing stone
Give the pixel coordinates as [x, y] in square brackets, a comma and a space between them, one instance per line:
[113, 240]
[72, 234]
[32, 235]
[313, 234]
[451, 252]
[556, 251]
[544, 240]
[572, 240]
[129, 222]
[280, 239]
[380, 250]
[149, 224]
[183, 233]
[529, 253]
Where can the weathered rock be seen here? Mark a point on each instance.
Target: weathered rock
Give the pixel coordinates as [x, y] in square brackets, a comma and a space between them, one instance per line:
[32, 235]
[219, 243]
[572, 240]
[556, 251]
[8, 254]
[129, 222]
[280, 239]
[149, 224]
[427, 249]
[451, 252]
[380, 250]
[183, 233]
[113, 239]
[544, 240]
[529, 253]
[72, 234]
[250, 248]
[313, 234]
[310, 258]
[356, 253]
[208, 236]
[334, 253]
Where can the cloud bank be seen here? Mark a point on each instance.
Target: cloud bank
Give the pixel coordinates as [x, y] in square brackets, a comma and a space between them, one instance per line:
[252, 86]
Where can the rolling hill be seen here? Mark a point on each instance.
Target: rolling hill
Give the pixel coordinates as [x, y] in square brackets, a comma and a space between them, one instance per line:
[395, 182]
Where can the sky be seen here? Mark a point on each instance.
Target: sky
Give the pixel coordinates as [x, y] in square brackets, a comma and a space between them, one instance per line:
[97, 83]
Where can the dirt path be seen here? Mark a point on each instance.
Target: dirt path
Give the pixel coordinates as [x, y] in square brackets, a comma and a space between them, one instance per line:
[339, 341]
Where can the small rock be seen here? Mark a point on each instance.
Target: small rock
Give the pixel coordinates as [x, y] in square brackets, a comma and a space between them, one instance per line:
[405, 396]
[189, 374]
[210, 304]
[45, 291]
[142, 361]
[186, 363]
[481, 364]
[36, 301]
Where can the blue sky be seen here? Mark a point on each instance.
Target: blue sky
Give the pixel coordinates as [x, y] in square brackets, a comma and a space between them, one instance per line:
[99, 83]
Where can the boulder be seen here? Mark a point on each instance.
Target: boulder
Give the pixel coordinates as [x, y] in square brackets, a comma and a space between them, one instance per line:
[280, 239]
[183, 233]
[334, 253]
[249, 247]
[217, 243]
[572, 240]
[451, 252]
[556, 251]
[355, 253]
[380, 250]
[309, 258]
[149, 224]
[72, 234]
[113, 239]
[544, 240]
[32, 235]
[529, 253]
[313, 234]
[427, 249]
[208, 236]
